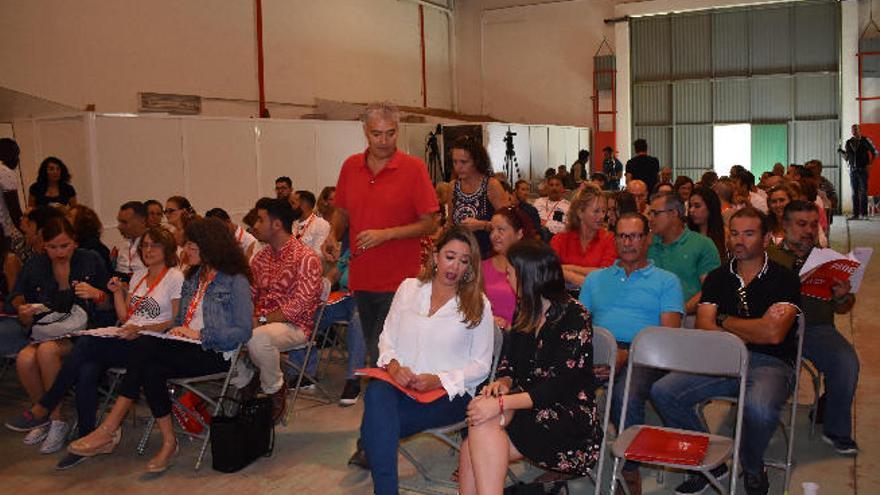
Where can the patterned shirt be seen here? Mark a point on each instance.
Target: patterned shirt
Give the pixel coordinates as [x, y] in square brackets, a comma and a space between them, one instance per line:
[288, 280]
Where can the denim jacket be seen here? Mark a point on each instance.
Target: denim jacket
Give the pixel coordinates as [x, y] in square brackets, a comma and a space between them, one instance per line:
[227, 309]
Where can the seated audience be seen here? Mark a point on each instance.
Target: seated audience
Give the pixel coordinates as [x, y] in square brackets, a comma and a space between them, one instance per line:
[757, 300]
[149, 302]
[286, 291]
[680, 250]
[87, 228]
[778, 169]
[541, 406]
[824, 346]
[438, 334]
[599, 180]
[724, 188]
[639, 191]
[684, 187]
[663, 187]
[585, 245]
[326, 201]
[611, 211]
[10, 267]
[567, 179]
[521, 194]
[132, 223]
[52, 186]
[708, 179]
[704, 217]
[476, 195]
[748, 194]
[778, 198]
[245, 240]
[665, 175]
[508, 227]
[215, 315]
[179, 213]
[625, 298]
[552, 210]
[64, 280]
[311, 229]
[826, 187]
[283, 188]
[155, 213]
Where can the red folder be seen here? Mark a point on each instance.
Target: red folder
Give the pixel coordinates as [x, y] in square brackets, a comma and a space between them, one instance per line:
[656, 445]
[381, 374]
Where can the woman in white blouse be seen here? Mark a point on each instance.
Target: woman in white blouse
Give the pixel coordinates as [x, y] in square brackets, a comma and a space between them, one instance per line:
[438, 334]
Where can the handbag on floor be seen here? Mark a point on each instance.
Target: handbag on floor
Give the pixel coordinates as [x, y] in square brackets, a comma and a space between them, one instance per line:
[537, 488]
[241, 438]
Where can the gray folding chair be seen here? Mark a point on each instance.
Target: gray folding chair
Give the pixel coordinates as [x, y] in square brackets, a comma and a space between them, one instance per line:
[816, 379]
[308, 346]
[449, 435]
[786, 465]
[688, 351]
[604, 354]
[198, 386]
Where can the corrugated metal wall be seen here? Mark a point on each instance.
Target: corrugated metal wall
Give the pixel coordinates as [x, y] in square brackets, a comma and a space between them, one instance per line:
[774, 64]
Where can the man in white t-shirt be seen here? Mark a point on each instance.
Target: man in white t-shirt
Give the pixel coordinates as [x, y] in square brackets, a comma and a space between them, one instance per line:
[245, 240]
[310, 229]
[132, 223]
[553, 209]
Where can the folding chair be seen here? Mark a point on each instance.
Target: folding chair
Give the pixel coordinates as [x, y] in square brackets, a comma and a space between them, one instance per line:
[688, 351]
[449, 435]
[786, 464]
[604, 354]
[114, 379]
[194, 385]
[308, 346]
[816, 379]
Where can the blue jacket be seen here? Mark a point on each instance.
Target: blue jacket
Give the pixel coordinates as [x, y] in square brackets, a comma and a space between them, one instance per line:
[227, 309]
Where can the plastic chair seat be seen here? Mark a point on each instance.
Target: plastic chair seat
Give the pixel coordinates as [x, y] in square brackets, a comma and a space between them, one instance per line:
[719, 450]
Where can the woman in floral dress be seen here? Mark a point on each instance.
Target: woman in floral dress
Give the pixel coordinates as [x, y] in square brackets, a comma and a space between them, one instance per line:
[541, 406]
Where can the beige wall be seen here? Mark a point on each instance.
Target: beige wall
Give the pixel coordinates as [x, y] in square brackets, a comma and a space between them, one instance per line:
[101, 52]
[530, 63]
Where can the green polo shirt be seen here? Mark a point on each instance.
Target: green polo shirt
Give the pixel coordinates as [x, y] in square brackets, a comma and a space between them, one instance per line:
[689, 257]
[816, 311]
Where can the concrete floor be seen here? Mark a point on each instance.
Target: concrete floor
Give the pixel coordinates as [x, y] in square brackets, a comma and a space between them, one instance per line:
[311, 453]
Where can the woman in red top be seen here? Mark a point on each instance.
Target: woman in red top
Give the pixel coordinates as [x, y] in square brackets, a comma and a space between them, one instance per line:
[585, 245]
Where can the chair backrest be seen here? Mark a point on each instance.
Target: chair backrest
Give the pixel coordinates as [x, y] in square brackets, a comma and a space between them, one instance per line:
[604, 347]
[690, 351]
[322, 303]
[498, 342]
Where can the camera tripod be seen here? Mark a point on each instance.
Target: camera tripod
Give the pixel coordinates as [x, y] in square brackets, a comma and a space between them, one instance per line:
[511, 164]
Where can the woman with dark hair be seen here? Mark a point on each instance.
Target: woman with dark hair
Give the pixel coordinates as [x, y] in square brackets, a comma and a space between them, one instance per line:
[61, 281]
[662, 187]
[155, 213]
[214, 319]
[149, 302]
[87, 228]
[684, 187]
[777, 198]
[509, 225]
[179, 213]
[438, 334]
[585, 245]
[53, 185]
[541, 405]
[704, 216]
[10, 208]
[611, 209]
[476, 194]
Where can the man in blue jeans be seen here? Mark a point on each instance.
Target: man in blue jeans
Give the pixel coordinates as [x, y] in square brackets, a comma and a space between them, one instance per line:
[824, 346]
[859, 152]
[758, 301]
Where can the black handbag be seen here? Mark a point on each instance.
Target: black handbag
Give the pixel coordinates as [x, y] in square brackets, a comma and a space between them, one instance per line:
[241, 438]
[537, 488]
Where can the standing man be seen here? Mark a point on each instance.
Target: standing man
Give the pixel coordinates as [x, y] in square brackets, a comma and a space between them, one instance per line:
[757, 300]
[643, 167]
[612, 168]
[385, 199]
[283, 187]
[824, 346]
[132, 223]
[859, 153]
[579, 169]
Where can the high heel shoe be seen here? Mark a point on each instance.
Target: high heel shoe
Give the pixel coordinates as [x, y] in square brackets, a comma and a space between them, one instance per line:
[157, 465]
[87, 448]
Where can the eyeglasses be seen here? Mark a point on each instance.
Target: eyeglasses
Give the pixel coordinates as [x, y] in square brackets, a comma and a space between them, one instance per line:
[169, 211]
[635, 236]
[657, 212]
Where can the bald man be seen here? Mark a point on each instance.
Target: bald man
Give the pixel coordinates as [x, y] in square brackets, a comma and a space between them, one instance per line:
[640, 191]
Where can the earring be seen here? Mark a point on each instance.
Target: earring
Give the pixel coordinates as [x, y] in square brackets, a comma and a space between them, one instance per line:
[468, 276]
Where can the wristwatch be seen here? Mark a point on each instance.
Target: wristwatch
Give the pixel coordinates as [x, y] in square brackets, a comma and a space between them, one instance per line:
[719, 319]
[263, 320]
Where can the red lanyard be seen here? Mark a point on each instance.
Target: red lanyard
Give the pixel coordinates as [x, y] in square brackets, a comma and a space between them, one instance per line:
[134, 307]
[552, 209]
[197, 299]
[240, 234]
[302, 228]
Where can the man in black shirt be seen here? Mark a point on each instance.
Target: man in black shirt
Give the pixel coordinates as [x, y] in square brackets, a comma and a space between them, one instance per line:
[756, 300]
[643, 167]
[612, 168]
[859, 153]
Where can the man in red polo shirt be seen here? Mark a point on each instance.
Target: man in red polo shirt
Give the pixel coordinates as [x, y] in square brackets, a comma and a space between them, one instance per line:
[385, 199]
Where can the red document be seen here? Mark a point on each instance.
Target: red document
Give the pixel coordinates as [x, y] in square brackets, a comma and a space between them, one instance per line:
[656, 445]
[824, 268]
[423, 397]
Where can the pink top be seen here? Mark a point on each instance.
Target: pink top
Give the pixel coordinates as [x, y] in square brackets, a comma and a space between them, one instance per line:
[498, 291]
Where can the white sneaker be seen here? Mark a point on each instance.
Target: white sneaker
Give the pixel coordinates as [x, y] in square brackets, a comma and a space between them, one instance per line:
[56, 438]
[36, 435]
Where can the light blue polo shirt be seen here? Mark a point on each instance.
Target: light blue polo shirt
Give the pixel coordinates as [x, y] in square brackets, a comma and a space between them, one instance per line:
[625, 305]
